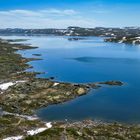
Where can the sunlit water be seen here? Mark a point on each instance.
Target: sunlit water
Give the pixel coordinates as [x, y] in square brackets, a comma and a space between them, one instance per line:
[90, 60]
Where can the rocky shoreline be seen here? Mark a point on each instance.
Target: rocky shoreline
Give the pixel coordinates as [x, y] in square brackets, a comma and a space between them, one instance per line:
[21, 93]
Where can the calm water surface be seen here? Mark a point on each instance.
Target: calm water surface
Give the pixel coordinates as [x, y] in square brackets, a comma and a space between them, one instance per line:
[90, 60]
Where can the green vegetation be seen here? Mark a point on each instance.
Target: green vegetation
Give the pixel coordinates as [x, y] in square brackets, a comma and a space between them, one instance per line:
[88, 131]
[11, 125]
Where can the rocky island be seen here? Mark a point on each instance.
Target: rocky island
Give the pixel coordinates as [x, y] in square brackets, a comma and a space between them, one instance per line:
[21, 93]
[126, 39]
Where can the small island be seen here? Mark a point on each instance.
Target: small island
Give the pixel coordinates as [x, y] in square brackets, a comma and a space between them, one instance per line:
[126, 39]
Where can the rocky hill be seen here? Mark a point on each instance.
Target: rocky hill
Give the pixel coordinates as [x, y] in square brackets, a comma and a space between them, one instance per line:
[75, 31]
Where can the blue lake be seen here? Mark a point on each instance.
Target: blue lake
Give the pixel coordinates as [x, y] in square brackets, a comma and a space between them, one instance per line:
[89, 59]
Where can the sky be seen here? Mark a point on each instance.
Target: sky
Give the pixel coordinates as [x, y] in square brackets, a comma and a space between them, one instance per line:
[64, 13]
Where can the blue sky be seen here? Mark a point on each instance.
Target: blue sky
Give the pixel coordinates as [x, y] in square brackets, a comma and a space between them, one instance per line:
[63, 13]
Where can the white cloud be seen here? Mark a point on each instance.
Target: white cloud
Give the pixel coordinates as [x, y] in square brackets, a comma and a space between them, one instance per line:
[58, 12]
[38, 12]
[51, 18]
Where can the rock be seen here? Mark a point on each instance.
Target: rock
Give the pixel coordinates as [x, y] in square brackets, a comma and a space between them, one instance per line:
[28, 102]
[51, 78]
[21, 96]
[81, 91]
[36, 54]
[95, 132]
[115, 83]
[56, 97]
[138, 136]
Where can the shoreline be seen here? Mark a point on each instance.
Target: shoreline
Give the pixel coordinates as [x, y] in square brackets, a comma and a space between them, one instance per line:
[24, 97]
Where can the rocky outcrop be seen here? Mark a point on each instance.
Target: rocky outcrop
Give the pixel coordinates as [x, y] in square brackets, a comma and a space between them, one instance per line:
[75, 31]
[127, 39]
[23, 98]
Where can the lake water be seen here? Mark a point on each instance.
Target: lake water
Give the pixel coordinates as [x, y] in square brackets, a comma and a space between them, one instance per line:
[89, 59]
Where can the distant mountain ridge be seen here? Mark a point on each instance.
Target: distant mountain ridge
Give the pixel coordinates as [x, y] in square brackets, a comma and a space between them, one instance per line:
[75, 31]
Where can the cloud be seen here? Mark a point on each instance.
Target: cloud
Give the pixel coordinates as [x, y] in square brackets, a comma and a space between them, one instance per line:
[38, 12]
[59, 12]
[51, 18]
[18, 13]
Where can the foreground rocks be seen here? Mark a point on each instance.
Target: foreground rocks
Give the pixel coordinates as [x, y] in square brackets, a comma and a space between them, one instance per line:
[19, 126]
[89, 130]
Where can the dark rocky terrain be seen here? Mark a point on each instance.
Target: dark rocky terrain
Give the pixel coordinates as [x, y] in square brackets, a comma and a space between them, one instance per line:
[89, 130]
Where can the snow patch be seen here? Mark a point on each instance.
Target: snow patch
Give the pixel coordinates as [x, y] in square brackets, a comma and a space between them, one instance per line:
[49, 125]
[55, 84]
[34, 132]
[120, 41]
[39, 130]
[14, 138]
[138, 37]
[5, 86]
